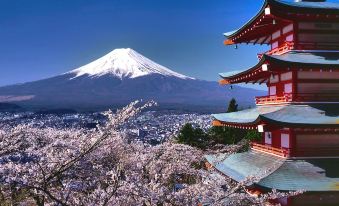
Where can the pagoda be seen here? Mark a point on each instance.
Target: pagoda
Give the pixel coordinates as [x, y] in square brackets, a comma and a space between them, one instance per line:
[299, 117]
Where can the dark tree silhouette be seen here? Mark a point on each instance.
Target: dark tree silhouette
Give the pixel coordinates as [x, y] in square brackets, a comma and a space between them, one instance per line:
[233, 106]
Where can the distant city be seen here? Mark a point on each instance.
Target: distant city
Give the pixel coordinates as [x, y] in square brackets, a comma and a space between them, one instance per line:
[151, 127]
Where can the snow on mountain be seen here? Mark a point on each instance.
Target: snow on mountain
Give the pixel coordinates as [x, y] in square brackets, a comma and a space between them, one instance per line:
[124, 63]
[118, 78]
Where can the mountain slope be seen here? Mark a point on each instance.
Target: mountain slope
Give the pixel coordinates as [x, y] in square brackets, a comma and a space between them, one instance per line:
[118, 78]
[124, 63]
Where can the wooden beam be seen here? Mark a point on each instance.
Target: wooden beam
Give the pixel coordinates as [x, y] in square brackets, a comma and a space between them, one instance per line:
[255, 81]
[261, 40]
[217, 123]
[224, 82]
[262, 81]
[229, 42]
[256, 41]
[268, 40]
[265, 40]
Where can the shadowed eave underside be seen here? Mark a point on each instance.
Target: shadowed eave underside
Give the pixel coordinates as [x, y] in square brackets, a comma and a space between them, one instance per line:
[295, 58]
[279, 9]
[281, 116]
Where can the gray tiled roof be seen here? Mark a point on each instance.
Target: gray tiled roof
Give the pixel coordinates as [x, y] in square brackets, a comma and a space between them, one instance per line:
[303, 174]
[315, 5]
[246, 116]
[282, 174]
[239, 166]
[291, 6]
[309, 58]
[294, 115]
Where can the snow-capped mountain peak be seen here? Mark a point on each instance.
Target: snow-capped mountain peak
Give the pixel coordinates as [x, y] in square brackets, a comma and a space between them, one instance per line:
[124, 63]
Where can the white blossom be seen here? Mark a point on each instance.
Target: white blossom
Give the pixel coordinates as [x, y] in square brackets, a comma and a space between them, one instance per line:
[48, 166]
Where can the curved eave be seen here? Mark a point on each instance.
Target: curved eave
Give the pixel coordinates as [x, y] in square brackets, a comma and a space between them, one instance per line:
[242, 125]
[247, 119]
[305, 7]
[288, 61]
[247, 75]
[262, 120]
[292, 116]
[280, 11]
[234, 33]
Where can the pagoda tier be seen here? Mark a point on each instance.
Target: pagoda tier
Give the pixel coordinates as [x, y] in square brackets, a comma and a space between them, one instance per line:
[291, 130]
[293, 77]
[299, 118]
[314, 61]
[307, 25]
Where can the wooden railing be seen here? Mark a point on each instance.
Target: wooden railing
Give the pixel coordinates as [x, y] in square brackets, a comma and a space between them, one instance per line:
[297, 152]
[273, 99]
[287, 46]
[298, 97]
[281, 152]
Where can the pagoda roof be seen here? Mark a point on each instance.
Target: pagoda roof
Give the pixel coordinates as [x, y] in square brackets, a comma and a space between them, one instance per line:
[281, 116]
[282, 12]
[293, 58]
[306, 58]
[279, 173]
[310, 6]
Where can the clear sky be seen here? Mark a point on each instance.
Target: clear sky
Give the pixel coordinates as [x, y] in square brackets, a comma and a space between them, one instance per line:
[44, 38]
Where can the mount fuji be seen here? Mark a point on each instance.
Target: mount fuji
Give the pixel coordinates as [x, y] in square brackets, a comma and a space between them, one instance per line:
[118, 78]
[124, 63]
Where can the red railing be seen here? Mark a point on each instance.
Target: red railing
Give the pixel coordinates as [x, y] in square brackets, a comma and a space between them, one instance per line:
[297, 152]
[281, 152]
[273, 99]
[287, 46]
[298, 97]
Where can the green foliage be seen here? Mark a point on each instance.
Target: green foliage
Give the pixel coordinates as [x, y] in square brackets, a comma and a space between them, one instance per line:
[232, 106]
[226, 135]
[195, 137]
[253, 135]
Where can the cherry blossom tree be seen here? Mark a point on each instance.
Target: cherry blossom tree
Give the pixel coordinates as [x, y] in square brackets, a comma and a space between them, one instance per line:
[48, 166]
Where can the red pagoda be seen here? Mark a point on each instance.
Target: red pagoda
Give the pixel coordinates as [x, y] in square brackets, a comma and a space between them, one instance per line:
[299, 117]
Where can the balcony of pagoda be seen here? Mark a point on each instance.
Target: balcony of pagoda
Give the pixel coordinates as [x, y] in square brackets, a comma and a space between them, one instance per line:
[287, 46]
[297, 97]
[273, 99]
[309, 152]
[280, 152]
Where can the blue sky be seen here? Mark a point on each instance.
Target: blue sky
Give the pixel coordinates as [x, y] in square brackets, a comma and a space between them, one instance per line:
[43, 38]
